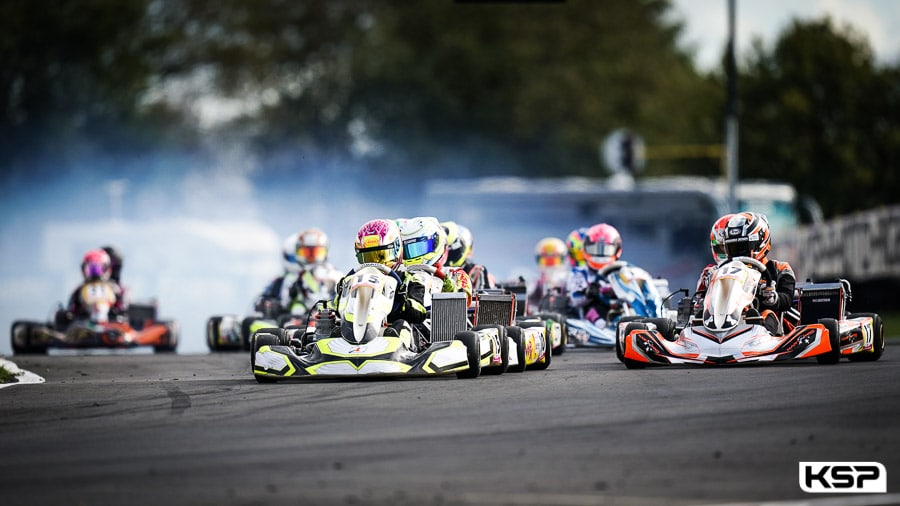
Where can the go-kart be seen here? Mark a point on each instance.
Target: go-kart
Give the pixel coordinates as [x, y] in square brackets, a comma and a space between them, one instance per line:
[529, 342]
[730, 329]
[552, 314]
[361, 343]
[137, 328]
[230, 332]
[635, 294]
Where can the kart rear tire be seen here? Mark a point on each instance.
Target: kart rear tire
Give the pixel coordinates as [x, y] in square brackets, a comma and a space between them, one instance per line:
[878, 348]
[212, 333]
[563, 330]
[515, 333]
[173, 332]
[548, 343]
[25, 347]
[834, 337]
[504, 350]
[473, 354]
[246, 335]
[629, 363]
[624, 319]
[260, 340]
[664, 326]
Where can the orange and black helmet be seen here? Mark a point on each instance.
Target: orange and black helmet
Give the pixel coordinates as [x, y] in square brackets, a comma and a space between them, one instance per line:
[747, 234]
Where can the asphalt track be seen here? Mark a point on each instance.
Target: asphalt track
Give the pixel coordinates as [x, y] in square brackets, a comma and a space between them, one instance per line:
[198, 429]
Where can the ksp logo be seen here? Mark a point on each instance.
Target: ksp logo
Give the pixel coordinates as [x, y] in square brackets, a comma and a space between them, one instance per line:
[836, 477]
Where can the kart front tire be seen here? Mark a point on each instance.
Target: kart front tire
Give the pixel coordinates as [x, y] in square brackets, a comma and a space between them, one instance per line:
[258, 341]
[473, 354]
[629, 363]
[834, 337]
[664, 326]
[878, 338]
[624, 319]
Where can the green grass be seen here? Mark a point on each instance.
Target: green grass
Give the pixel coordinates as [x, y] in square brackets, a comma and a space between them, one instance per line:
[891, 325]
[8, 377]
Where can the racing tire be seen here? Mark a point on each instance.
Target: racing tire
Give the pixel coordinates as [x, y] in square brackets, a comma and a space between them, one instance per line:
[246, 336]
[473, 354]
[212, 333]
[624, 319]
[664, 326]
[834, 337]
[24, 347]
[259, 340]
[515, 333]
[563, 330]
[878, 338]
[548, 355]
[172, 335]
[504, 350]
[629, 363]
[282, 336]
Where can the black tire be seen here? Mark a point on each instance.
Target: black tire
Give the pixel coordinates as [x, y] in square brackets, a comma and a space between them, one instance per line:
[27, 346]
[664, 326]
[172, 335]
[563, 330]
[834, 337]
[246, 336]
[515, 333]
[548, 343]
[473, 354]
[258, 341]
[212, 333]
[624, 319]
[504, 350]
[878, 329]
[629, 363]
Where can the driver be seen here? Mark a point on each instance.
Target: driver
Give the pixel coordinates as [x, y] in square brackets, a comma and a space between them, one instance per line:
[378, 241]
[587, 289]
[96, 267]
[747, 234]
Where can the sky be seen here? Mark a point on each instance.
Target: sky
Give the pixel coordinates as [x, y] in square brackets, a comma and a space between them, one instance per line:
[707, 23]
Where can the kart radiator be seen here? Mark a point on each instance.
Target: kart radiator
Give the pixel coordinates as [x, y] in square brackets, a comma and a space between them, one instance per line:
[448, 315]
[821, 300]
[495, 309]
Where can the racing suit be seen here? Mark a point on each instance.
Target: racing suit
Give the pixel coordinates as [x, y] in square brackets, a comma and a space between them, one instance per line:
[77, 309]
[591, 293]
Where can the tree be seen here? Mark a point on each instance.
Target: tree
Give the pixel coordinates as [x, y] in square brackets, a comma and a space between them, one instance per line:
[817, 112]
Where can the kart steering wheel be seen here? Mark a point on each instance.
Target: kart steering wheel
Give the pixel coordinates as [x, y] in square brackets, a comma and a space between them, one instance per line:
[752, 262]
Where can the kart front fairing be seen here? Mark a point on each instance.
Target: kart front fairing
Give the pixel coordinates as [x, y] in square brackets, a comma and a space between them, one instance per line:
[732, 290]
[365, 303]
[743, 343]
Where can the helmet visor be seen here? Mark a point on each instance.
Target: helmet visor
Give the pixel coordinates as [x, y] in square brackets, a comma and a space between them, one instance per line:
[94, 270]
[738, 248]
[311, 254]
[385, 255]
[549, 260]
[418, 247]
[600, 249]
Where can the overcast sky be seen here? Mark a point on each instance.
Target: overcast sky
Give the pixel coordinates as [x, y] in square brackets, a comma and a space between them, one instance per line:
[707, 23]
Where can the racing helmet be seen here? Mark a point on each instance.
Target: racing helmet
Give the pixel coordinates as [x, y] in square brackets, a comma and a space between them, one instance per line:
[378, 241]
[717, 238]
[575, 245]
[602, 246]
[747, 234]
[115, 259]
[96, 265]
[424, 241]
[459, 243]
[289, 253]
[550, 252]
[312, 247]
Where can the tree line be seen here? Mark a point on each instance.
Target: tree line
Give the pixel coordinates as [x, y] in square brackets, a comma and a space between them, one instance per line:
[435, 89]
